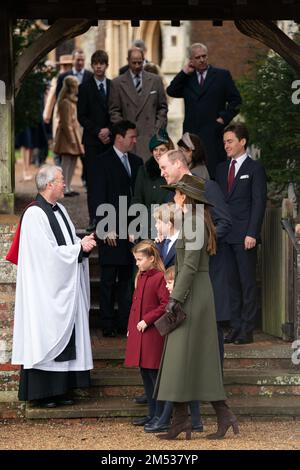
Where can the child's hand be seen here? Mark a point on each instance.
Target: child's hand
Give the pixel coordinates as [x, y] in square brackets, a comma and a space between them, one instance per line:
[141, 326]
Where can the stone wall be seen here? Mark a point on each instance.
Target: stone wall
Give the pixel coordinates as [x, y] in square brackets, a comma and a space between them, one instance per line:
[9, 374]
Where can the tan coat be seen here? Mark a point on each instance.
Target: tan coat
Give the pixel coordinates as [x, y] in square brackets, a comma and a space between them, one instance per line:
[68, 134]
[147, 110]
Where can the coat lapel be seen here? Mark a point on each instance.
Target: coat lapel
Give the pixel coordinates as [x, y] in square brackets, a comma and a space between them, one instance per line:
[210, 76]
[127, 85]
[147, 82]
[243, 167]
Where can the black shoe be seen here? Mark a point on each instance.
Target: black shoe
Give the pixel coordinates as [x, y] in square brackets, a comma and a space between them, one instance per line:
[46, 403]
[109, 333]
[141, 421]
[197, 428]
[245, 339]
[153, 426]
[230, 337]
[141, 400]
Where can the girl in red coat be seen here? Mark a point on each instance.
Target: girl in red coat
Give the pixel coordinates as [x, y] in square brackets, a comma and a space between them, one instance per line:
[144, 343]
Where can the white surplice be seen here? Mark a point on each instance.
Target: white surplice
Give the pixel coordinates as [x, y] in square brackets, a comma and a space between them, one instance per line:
[52, 294]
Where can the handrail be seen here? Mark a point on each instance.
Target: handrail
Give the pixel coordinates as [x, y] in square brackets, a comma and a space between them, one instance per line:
[287, 226]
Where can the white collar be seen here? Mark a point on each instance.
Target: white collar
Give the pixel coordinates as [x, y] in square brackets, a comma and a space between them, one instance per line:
[119, 153]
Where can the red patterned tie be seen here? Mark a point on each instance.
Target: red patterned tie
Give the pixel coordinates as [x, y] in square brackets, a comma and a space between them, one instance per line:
[201, 79]
[231, 175]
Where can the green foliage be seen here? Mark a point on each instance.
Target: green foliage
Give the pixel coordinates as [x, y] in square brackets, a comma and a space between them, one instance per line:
[272, 118]
[28, 100]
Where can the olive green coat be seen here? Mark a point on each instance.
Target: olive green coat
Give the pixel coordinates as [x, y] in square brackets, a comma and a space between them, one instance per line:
[190, 367]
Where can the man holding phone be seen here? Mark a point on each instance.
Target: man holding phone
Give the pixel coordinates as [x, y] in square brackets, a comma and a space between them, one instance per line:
[211, 101]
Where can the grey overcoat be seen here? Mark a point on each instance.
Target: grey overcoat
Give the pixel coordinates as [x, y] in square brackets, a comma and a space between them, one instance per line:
[148, 110]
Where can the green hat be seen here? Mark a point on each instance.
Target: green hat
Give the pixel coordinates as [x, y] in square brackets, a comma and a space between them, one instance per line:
[159, 139]
[191, 186]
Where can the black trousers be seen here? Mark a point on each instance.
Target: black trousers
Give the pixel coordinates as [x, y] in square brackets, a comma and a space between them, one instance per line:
[115, 283]
[243, 289]
[91, 153]
[149, 377]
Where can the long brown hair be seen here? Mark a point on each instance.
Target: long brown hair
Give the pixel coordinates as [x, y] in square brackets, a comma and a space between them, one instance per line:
[148, 248]
[211, 229]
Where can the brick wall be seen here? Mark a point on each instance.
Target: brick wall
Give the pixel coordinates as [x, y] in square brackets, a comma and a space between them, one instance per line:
[9, 374]
[227, 47]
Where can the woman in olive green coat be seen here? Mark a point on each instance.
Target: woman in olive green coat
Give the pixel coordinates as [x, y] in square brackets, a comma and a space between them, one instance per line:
[190, 367]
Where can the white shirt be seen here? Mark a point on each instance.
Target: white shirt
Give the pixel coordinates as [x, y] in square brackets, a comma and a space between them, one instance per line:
[98, 82]
[133, 76]
[203, 74]
[120, 155]
[239, 161]
[78, 74]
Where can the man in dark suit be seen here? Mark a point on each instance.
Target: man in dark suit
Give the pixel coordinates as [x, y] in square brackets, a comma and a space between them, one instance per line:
[173, 166]
[211, 101]
[243, 182]
[94, 117]
[115, 174]
[77, 70]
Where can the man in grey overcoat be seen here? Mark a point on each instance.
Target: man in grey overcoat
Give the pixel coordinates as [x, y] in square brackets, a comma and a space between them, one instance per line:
[139, 97]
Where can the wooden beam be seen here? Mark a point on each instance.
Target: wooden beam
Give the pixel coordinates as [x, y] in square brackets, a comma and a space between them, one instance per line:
[6, 113]
[61, 30]
[270, 35]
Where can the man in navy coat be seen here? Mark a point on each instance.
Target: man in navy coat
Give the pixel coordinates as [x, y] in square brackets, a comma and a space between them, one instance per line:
[243, 182]
[93, 115]
[115, 174]
[211, 101]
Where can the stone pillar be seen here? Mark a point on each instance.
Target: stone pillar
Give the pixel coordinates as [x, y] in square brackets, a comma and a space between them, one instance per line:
[175, 41]
[6, 114]
[10, 407]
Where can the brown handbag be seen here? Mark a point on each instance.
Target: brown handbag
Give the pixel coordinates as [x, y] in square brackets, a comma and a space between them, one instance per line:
[170, 320]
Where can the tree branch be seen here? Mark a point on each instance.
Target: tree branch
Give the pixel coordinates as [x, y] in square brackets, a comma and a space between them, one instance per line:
[61, 30]
[268, 33]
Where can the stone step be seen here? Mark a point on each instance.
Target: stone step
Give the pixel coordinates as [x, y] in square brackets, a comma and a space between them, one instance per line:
[257, 356]
[250, 407]
[127, 382]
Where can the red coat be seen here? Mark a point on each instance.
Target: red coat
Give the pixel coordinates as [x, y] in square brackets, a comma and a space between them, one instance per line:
[149, 301]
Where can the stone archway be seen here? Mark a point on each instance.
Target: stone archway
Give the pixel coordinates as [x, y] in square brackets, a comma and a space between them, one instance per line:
[150, 32]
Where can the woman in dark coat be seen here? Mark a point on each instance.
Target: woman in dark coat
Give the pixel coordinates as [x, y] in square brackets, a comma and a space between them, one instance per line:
[190, 367]
[144, 343]
[148, 183]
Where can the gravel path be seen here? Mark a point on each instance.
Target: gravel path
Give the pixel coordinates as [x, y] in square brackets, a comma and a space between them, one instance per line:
[121, 435]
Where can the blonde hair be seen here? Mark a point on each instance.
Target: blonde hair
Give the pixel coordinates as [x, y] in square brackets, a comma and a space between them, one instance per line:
[169, 212]
[170, 273]
[148, 248]
[69, 82]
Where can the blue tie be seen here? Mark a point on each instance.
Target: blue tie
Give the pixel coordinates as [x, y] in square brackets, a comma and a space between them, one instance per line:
[164, 250]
